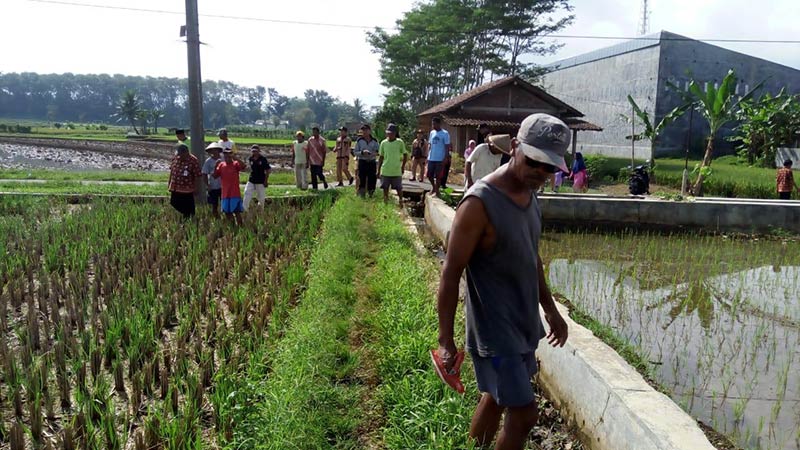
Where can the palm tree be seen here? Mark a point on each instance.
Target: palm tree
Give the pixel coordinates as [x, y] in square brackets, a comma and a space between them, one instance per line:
[359, 114]
[129, 108]
[651, 132]
[155, 115]
[719, 106]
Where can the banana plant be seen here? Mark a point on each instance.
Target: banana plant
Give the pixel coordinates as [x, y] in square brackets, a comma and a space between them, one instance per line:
[719, 105]
[651, 131]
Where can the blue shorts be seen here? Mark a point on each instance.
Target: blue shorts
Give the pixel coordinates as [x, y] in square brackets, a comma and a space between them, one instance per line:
[232, 205]
[506, 378]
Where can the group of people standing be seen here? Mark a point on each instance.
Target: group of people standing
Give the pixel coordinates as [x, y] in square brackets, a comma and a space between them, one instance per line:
[385, 160]
[220, 172]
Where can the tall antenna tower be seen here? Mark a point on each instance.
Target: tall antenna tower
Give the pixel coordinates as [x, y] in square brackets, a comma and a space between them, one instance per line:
[644, 20]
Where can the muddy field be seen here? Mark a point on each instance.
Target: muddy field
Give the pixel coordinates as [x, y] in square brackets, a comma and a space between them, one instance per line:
[66, 154]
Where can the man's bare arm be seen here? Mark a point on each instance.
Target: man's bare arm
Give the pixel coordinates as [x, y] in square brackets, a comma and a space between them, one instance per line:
[465, 234]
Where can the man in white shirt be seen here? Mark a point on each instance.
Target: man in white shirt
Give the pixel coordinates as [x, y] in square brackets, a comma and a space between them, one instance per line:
[224, 141]
[486, 157]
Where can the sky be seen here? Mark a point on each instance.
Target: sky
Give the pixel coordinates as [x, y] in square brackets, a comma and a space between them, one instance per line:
[57, 38]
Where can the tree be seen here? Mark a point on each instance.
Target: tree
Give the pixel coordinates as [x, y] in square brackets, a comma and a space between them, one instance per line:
[320, 103]
[766, 124]
[650, 131]
[277, 103]
[359, 113]
[129, 109]
[428, 61]
[399, 115]
[156, 115]
[719, 106]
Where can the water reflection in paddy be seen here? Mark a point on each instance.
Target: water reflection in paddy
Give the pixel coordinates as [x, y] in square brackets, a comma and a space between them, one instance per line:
[718, 319]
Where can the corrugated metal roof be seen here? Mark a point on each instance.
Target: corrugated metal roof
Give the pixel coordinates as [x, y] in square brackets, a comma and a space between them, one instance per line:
[651, 40]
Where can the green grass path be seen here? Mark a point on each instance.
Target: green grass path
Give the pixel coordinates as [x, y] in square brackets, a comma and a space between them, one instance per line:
[352, 369]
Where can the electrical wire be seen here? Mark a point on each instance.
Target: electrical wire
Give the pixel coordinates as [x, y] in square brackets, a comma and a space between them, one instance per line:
[419, 30]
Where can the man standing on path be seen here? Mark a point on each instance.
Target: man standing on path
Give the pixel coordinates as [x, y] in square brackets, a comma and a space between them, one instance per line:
[419, 155]
[184, 170]
[785, 181]
[439, 149]
[495, 237]
[367, 151]
[316, 157]
[214, 193]
[343, 151]
[392, 163]
[226, 143]
[228, 171]
[259, 178]
[300, 160]
[486, 158]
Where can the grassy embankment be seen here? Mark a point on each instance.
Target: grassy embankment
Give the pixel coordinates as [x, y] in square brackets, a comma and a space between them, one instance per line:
[352, 369]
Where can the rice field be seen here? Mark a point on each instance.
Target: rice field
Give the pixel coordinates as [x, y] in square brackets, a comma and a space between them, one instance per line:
[717, 318]
[124, 327]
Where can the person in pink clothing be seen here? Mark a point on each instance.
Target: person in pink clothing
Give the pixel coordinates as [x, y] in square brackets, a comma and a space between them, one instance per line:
[470, 148]
[579, 176]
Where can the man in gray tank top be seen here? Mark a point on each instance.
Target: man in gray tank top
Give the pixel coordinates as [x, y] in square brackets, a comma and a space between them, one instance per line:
[495, 237]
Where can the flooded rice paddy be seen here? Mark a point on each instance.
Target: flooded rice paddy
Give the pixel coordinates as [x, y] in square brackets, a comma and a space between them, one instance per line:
[718, 318]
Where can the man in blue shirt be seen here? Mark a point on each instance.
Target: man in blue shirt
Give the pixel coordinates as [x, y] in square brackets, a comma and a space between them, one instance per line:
[439, 149]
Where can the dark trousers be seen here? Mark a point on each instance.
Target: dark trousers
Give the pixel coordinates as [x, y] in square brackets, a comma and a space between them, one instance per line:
[367, 176]
[183, 203]
[316, 171]
[785, 195]
[445, 172]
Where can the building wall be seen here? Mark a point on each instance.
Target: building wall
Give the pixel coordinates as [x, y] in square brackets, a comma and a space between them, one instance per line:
[682, 61]
[599, 89]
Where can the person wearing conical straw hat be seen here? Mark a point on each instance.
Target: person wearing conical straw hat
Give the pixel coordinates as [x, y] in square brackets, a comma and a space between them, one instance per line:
[214, 185]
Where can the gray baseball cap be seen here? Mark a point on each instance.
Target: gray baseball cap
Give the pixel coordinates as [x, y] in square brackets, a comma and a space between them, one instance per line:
[544, 138]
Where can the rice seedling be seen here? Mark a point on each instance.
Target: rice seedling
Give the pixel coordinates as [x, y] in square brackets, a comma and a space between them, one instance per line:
[720, 315]
[117, 317]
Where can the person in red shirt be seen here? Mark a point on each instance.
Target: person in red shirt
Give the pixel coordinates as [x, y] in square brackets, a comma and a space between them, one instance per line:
[785, 181]
[183, 174]
[228, 171]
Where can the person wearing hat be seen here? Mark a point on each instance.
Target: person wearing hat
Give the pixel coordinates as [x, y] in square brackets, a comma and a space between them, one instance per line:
[343, 151]
[785, 181]
[486, 158]
[300, 160]
[224, 141]
[228, 173]
[317, 148]
[393, 156]
[495, 237]
[259, 177]
[439, 149]
[184, 170]
[366, 152]
[419, 155]
[214, 185]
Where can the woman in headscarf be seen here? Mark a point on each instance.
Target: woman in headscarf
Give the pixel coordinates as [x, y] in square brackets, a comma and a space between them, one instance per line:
[580, 179]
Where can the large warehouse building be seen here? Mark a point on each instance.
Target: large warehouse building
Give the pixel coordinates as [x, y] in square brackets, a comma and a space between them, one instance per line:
[598, 83]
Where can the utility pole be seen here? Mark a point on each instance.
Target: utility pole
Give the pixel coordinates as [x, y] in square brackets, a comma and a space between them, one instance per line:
[195, 88]
[644, 21]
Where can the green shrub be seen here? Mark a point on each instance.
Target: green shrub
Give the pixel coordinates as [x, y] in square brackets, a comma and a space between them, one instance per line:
[103, 127]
